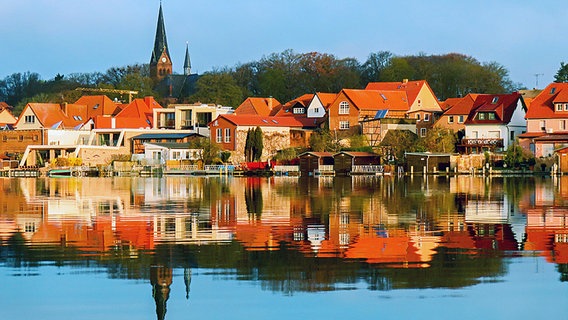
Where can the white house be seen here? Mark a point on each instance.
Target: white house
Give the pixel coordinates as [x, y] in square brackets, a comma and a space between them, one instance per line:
[494, 122]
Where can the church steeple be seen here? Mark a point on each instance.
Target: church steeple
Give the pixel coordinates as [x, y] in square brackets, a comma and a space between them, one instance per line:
[160, 63]
[187, 62]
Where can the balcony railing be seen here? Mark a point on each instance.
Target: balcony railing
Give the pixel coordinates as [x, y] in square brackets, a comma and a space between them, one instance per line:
[483, 142]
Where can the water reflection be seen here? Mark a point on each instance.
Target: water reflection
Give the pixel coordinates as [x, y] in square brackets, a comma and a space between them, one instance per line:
[289, 234]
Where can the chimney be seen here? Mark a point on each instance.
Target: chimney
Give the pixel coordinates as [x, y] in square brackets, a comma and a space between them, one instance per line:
[64, 107]
[405, 81]
[270, 103]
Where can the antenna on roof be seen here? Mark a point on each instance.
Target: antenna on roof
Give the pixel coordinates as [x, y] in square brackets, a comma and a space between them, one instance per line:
[536, 75]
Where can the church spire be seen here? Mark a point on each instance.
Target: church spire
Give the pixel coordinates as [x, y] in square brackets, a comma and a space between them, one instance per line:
[160, 42]
[187, 62]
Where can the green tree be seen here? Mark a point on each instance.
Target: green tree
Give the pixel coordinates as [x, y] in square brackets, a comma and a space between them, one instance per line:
[258, 144]
[439, 140]
[374, 66]
[562, 73]
[210, 152]
[515, 156]
[217, 87]
[396, 143]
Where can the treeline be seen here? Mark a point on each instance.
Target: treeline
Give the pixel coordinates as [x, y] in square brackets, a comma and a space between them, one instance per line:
[284, 76]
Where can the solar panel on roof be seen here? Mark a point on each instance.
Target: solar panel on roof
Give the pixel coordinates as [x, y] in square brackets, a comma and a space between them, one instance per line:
[381, 114]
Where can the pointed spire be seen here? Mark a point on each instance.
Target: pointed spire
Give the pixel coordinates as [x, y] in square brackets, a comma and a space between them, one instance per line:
[187, 62]
[160, 42]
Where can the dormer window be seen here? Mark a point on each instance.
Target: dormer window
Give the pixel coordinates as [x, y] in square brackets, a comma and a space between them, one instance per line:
[481, 116]
[552, 90]
[495, 99]
[491, 116]
[559, 107]
[298, 111]
[566, 107]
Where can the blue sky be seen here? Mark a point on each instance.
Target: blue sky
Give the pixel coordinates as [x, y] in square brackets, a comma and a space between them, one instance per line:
[67, 36]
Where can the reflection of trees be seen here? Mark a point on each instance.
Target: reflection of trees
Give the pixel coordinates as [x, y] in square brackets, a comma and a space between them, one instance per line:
[563, 270]
[253, 197]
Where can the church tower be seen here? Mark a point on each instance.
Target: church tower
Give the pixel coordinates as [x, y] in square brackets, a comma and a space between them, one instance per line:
[160, 63]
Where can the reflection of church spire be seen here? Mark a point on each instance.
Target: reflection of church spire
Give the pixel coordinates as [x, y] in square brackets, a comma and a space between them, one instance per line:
[187, 281]
[161, 279]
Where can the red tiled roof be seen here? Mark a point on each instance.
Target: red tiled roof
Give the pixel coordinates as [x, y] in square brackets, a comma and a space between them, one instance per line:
[378, 99]
[53, 114]
[287, 108]
[503, 107]
[257, 106]
[4, 105]
[98, 105]
[542, 106]
[412, 88]
[260, 121]
[326, 99]
[460, 106]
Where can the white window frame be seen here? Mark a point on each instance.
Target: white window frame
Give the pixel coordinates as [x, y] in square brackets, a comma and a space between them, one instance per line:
[422, 132]
[426, 117]
[227, 135]
[559, 107]
[298, 111]
[461, 119]
[343, 125]
[344, 107]
[219, 135]
[418, 117]
[450, 119]
[29, 119]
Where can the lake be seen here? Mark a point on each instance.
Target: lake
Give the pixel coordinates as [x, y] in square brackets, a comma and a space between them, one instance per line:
[281, 247]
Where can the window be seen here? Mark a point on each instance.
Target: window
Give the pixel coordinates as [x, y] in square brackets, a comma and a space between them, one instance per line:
[227, 135]
[422, 132]
[219, 135]
[343, 125]
[552, 90]
[542, 125]
[96, 106]
[176, 155]
[562, 124]
[495, 99]
[491, 116]
[418, 117]
[559, 107]
[460, 119]
[316, 110]
[450, 119]
[481, 116]
[512, 137]
[427, 117]
[29, 119]
[566, 107]
[344, 107]
[5, 138]
[298, 110]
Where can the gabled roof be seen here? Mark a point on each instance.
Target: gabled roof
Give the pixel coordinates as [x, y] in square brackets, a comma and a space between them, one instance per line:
[460, 106]
[503, 105]
[137, 114]
[326, 99]
[542, 106]
[257, 106]
[261, 121]
[318, 154]
[4, 106]
[98, 105]
[52, 115]
[160, 41]
[377, 100]
[287, 108]
[412, 88]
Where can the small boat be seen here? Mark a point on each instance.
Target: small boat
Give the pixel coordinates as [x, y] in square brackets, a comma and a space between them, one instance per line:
[59, 173]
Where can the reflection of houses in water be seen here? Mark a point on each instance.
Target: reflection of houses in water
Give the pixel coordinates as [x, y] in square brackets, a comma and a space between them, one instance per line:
[547, 222]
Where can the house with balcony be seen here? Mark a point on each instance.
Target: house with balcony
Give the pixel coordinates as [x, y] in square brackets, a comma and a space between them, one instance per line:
[192, 117]
[494, 123]
[547, 121]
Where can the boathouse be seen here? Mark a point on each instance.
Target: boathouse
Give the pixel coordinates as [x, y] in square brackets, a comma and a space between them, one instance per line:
[346, 162]
[433, 162]
[312, 163]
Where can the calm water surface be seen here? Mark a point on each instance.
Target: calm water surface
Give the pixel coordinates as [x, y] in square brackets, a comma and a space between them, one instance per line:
[255, 248]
